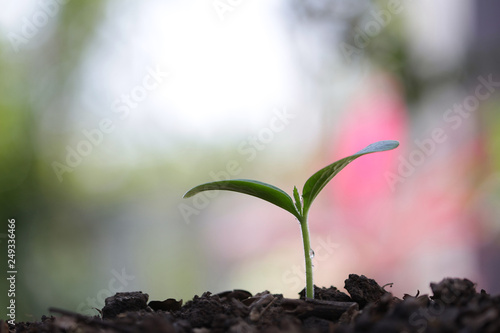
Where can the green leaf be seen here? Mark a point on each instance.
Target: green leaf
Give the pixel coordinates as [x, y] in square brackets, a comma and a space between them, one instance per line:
[298, 201]
[318, 181]
[255, 188]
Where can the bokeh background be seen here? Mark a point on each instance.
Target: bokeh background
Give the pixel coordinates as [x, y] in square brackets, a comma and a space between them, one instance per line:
[111, 110]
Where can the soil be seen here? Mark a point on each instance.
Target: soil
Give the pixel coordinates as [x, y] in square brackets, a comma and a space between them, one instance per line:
[455, 306]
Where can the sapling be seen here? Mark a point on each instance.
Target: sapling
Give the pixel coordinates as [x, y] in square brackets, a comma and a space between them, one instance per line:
[300, 204]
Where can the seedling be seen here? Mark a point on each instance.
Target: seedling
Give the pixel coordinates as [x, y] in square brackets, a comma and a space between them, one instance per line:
[299, 205]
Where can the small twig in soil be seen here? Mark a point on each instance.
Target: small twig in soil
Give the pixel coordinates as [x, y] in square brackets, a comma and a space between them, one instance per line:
[318, 308]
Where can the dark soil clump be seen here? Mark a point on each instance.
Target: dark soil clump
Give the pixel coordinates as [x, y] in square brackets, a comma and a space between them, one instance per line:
[455, 306]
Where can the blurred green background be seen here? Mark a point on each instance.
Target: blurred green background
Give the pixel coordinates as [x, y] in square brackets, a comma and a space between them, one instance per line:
[111, 110]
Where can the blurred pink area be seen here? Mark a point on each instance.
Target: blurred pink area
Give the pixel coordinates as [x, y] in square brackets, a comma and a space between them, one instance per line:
[376, 114]
[406, 229]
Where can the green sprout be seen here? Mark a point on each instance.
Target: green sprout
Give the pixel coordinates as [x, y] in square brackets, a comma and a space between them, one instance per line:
[299, 205]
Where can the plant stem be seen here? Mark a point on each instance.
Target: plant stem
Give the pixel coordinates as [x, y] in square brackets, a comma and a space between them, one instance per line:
[307, 255]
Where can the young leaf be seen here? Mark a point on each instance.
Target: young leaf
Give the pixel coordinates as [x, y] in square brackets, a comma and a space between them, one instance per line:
[318, 181]
[298, 201]
[255, 188]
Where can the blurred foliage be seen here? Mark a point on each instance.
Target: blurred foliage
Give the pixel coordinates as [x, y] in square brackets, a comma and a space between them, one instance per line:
[339, 24]
[32, 82]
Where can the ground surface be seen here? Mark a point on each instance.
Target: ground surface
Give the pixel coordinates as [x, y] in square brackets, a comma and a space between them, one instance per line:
[455, 306]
